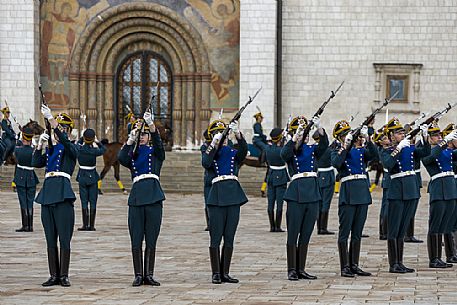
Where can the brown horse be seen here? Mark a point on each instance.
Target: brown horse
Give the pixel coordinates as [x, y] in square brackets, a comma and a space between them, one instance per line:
[112, 150]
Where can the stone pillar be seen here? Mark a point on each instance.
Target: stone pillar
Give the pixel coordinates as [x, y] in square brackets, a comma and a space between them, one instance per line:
[109, 113]
[190, 112]
[198, 108]
[177, 112]
[91, 98]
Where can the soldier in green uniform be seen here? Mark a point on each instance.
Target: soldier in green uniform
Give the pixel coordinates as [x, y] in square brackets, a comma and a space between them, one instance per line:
[351, 162]
[277, 178]
[326, 178]
[9, 136]
[25, 179]
[225, 197]
[56, 196]
[303, 193]
[259, 139]
[382, 141]
[403, 192]
[442, 189]
[88, 177]
[146, 197]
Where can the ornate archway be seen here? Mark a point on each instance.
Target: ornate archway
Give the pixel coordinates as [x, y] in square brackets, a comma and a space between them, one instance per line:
[137, 27]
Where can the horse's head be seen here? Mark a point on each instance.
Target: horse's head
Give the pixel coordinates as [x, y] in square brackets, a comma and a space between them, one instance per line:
[36, 128]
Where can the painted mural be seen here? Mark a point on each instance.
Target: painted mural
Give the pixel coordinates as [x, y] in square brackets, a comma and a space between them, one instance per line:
[217, 21]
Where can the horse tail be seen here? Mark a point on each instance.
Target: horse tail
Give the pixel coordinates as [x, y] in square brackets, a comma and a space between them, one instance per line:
[104, 141]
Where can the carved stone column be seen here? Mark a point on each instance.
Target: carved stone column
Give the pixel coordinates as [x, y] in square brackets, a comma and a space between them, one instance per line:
[177, 112]
[198, 108]
[91, 98]
[205, 101]
[73, 108]
[109, 104]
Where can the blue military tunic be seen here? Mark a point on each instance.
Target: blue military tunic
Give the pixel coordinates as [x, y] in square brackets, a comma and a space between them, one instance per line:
[149, 160]
[226, 161]
[88, 157]
[354, 162]
[24, 177]
[208, 177]
[57, 189]
[303, 190]
[258, 134]
[8, 131]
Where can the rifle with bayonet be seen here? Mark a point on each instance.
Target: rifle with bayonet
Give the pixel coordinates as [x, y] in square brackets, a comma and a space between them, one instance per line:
[46, 122]
[14, 118]
[430, 120]
[370, 118]
[143, 123]
[236, 117]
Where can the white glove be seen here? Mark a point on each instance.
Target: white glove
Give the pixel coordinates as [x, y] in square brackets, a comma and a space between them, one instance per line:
[316, 121]
[300, 130]
[148, 118]
[132, 136]
[364, 131]
[288, 137]
[234, 127]
[348, 139]
[451, 136]
[44, 137]
[419, 140]
[424, 129]
[216, 139]
[406, 142]
[46, 112]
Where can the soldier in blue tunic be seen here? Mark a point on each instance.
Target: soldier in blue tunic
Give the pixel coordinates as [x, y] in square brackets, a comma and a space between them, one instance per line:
[450, 239]
[56, 196]
[277, 178]
[88, 177]
[207, 178]
[146, 197]
[258, 139]
[442, 189]
[403, 192]
[302, 195]
[382, 141]
[351, 162]
[9, 136]
[25, 179]
[326, 178]
[225, 197]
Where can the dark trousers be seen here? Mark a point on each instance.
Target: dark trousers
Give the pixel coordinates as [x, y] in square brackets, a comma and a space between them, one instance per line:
[440, 214]
[144, 224]
[9, 149]
[275, 194]
[58, 221]
[88, 193]
[384, 204]
[399, 215]
[452, 225]
[352, 220]
[223, 222]
[26, 196]
[327, 195]
[300, 218]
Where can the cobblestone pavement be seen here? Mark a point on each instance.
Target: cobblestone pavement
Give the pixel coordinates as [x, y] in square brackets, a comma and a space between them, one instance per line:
[101, 267]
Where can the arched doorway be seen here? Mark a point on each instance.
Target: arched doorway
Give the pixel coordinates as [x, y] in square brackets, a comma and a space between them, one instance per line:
[140, 77]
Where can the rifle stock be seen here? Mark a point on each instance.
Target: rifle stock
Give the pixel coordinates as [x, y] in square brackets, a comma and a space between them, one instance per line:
[46, 121]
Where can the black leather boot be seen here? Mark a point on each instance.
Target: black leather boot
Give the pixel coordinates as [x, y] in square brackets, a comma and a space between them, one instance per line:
[323, 223]
[454, 235]
[400, 246]
[85, 217]
[53, 264]
[137, 255]
[93, 213]
[149, 261]
[344, 260]
[382, 228]
[30, 219]
[433, 243]
[440, 250]
[291, 263]
[302, 253]
[226, 259]
[24, 221]
[278, 221]
[214, 257]
[449, 248]
[64, 266]
[271, 218]
[207, 219]
[409, 238]
[392, 253]
[354, 255]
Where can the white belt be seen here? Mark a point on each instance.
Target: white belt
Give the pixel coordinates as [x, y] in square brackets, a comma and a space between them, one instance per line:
[417, 171]
[256, 135]
[145, 176]
[455, 176]
[402, 174]
[88, 168]
[26, 167]
[57, 174]
[354, 177]
[304, 175]
[443, 174]
[224, 177]
[325, 169]
[385, 170]
[278, 167]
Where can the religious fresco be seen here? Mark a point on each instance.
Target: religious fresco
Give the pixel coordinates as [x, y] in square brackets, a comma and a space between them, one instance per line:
[217, 21]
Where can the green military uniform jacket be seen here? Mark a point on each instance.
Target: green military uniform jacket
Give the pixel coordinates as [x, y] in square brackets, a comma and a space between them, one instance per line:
[24, 177]
[87, 156]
